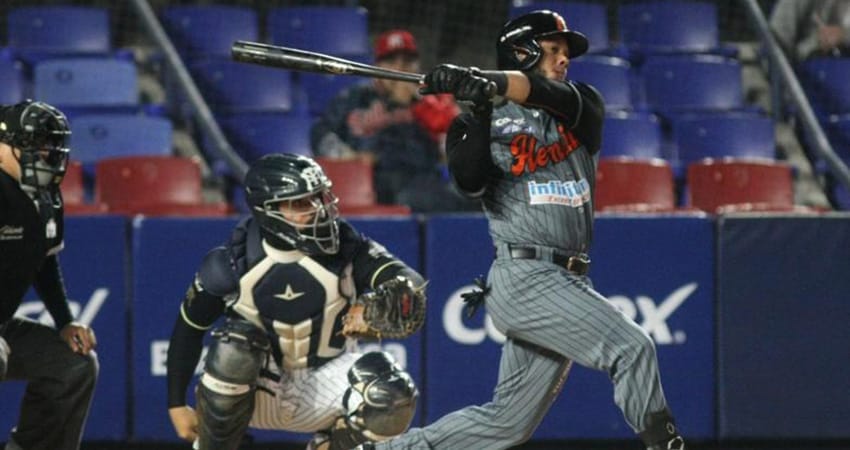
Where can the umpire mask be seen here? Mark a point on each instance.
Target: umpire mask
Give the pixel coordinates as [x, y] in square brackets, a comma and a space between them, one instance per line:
[40, 132]
[290, 198]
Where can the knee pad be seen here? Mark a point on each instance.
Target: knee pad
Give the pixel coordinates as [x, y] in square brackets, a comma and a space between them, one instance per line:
[226, 392]
[238, 351]
[382, 398]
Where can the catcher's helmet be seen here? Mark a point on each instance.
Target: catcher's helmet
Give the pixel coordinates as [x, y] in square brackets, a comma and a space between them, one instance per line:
[518, 48]
[277, 178]
[41, 133]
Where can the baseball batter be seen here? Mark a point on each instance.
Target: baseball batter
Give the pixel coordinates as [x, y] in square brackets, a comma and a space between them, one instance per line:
[532, 160]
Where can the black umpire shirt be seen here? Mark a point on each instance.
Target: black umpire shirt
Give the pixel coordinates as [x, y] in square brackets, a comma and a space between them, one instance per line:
[29, 241]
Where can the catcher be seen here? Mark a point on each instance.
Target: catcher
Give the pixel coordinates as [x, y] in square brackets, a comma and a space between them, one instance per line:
[298, 287]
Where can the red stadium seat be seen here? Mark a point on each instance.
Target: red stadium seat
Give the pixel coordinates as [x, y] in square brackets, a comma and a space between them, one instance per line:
[734, 185]
[74, 193]
[633, 185]
[153, 185]
[354, 185]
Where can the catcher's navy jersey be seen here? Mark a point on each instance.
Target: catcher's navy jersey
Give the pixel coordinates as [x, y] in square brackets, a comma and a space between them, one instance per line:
[298, 299]
[543, 194]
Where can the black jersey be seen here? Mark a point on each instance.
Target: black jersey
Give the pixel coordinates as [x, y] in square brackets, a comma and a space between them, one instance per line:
[298, 299]
[31, 234]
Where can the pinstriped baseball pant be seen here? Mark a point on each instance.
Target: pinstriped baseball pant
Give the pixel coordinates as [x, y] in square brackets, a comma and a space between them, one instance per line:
[551, 317]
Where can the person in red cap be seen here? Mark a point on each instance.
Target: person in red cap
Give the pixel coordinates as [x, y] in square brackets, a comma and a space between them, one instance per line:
[400, 132]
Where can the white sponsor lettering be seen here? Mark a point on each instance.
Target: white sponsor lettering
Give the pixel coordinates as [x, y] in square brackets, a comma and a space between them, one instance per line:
[35, 309]
[653, 316]
[458, 331]
[159, 359]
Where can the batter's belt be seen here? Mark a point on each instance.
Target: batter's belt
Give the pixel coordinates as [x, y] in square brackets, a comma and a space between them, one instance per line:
[575, 262]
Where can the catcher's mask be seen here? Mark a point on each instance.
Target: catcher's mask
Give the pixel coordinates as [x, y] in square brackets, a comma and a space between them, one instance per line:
[41, 133]
[290, 197]
[518, 47]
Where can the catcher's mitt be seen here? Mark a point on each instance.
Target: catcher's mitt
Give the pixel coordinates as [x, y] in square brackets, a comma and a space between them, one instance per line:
[395, 310]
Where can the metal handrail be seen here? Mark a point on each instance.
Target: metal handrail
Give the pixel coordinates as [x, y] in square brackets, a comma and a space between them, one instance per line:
[196, 101]
[798, 98]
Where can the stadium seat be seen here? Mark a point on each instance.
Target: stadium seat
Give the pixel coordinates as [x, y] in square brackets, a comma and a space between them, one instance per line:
[676, 84]
[354, 185]
[590, 19]
[719, 186]
[627, 184]
[59, 30]
[610, 75]
[334, 30]
[12, 83]
[718, 136]
[153, 185]
[189, 27]
[670, 26]
[95, 137]
[825, 83]
[74, 192]
[321, 89]
[97, 83]
[254, 135]
[233, 87]
[636, 135]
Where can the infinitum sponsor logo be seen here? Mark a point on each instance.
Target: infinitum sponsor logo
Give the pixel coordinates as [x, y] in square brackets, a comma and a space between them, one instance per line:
[569, 193]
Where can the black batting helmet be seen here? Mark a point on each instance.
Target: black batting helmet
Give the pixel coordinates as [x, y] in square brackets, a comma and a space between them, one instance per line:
[518, 48]
[277, 178]
[41, 133]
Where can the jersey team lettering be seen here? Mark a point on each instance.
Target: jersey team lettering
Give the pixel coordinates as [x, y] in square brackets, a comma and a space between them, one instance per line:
[569, 193]
[528, 157]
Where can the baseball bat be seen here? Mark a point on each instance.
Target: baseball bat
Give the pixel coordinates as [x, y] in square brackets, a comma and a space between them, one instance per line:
[303, 60]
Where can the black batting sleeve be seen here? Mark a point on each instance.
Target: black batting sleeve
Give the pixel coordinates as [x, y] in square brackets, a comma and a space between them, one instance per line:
[577, 105]
[468, 151]
[201, 307]
[51, 288]
[373, 265]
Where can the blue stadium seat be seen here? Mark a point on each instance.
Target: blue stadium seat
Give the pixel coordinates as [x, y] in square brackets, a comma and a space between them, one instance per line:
[99, 136]
[743, 136]
[590, 19]
[637, 135]
[610, 75]
[825, 81]
[321, 89]
[87, 83]
[338, 31]
[36, 31]
[670, 26]
[676, 84]
[12, 82]
[235, 87]
[190, 26]
[254, 135]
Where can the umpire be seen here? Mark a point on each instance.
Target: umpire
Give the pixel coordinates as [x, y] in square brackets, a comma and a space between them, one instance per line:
[60, 367]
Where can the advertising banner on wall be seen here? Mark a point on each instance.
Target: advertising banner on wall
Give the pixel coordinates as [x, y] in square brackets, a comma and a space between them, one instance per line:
[93, 264]
[783, 285]
[658, 271]
[167, 252]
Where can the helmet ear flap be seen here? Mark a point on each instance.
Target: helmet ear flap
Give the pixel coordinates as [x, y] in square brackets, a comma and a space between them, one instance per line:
[518, 50]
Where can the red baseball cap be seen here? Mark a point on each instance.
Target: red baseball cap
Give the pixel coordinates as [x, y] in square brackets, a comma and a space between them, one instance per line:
[395, 41]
